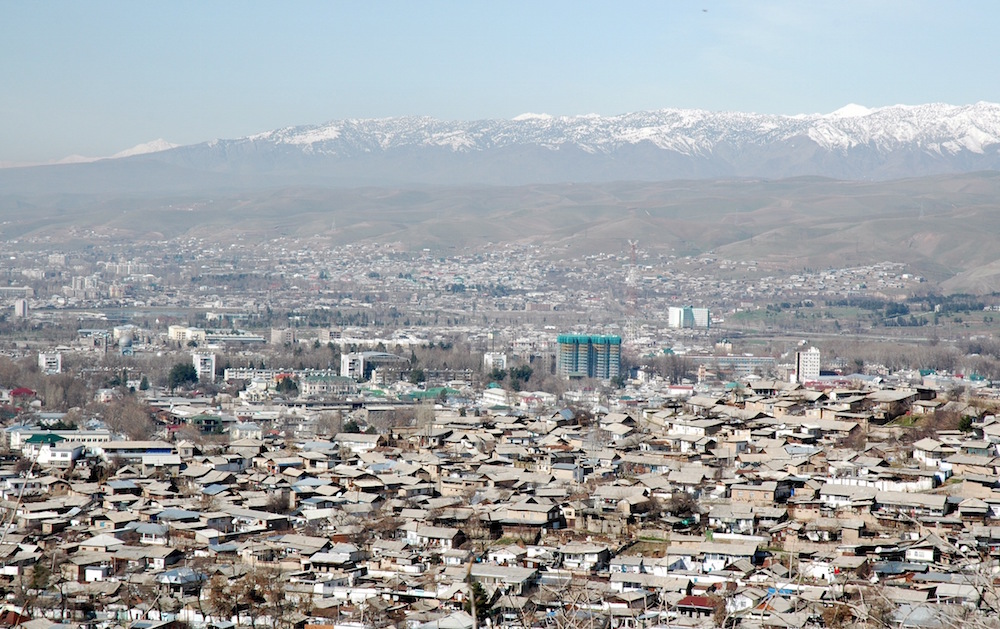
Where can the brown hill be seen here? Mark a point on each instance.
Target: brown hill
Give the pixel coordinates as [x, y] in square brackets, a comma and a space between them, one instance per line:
[944, 227]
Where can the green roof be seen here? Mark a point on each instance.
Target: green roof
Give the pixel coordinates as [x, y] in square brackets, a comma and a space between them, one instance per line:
[432, 393]
[589, 338]
[46, 438]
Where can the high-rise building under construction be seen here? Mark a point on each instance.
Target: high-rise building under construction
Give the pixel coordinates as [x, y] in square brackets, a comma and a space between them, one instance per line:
[588, 356]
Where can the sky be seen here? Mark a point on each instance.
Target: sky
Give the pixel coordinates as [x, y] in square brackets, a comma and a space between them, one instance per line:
[95, 78]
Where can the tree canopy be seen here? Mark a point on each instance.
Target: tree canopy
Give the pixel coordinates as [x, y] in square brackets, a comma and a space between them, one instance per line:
[182, 374]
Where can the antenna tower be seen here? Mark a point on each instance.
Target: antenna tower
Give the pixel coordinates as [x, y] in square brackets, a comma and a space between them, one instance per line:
[631, 299]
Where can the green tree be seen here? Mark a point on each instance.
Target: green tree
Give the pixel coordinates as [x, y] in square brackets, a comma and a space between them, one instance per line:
[522, 373]
[182, 374]
[482, 602]
[287, 385]
[144, 384]
[417, 376]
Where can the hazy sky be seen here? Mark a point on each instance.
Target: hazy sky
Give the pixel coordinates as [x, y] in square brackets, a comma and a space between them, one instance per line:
[93, 78]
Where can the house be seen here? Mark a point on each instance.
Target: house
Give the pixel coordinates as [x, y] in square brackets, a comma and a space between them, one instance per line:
[930, 452]
[511, 579]
[433, 537]
[716, 556]
[732, 518]
[696, 606]
[929, 549]
[532, 512]
[100, 544]
[583, 557]
[359, 442]
[627, 563]
[167, 464]
[765, 493]
[621, 498]
[336, 557]
[149, 533]
[892, 402]
[62, 454]
[911, 505]
[509, 555]
[181, 580]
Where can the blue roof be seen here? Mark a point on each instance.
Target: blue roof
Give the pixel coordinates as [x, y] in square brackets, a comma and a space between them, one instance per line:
[898, 567]
[180, 575]
[177, 514]
[310, 482]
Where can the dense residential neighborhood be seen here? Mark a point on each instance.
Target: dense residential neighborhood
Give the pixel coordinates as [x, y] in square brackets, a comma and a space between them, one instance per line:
[769, 503]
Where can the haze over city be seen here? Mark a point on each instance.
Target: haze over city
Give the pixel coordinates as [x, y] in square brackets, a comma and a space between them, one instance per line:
[560, 315]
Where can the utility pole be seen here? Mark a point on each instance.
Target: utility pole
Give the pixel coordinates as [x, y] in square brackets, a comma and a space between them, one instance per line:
[472, 595]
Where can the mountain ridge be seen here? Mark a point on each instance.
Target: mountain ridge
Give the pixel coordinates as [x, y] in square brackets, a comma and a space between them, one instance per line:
[853, 143]
[686, 131]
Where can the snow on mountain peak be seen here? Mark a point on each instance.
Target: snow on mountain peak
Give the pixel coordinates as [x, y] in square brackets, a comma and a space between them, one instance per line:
[531, 116]
[147, 147]
[851, 110]
[933, 129]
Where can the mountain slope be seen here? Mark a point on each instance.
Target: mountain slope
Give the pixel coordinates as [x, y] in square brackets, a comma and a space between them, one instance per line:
[850, 143]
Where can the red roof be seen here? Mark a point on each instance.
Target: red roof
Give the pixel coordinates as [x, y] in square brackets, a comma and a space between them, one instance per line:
[702, 602]
[22, 392]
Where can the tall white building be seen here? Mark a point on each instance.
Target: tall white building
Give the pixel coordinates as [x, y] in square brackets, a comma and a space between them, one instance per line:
[688, 317]
[204, 364]
[281, 336]
[20, 308]
[50, 363]
[807, 364]
[494, 360]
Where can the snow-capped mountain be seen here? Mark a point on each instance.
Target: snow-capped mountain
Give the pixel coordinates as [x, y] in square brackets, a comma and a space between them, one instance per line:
[939, 129]
[853, 142]
[145, 148]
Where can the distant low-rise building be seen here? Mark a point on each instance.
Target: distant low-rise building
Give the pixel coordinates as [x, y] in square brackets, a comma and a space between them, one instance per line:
[50, 362]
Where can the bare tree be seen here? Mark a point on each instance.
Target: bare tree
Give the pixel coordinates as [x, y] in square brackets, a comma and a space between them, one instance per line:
[329, 423]
[223, 597]
[128, 416]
